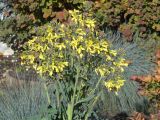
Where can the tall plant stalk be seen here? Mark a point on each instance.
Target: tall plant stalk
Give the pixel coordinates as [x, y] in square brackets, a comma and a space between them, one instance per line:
[71, 105]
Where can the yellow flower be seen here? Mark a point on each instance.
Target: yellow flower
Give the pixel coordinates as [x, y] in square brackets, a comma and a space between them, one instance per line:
[63, 43]
[90, 23]
[41, 56]
[80, 32]
[109, 84]
[80, 50]
[90, 47]
[30, 42]
[65, 63]
[113, 52]
[60, 55]
[40, 69]
[114, 84]
[74, 44]
[31, 58]
[101, 70]
[108, 58]
[60, 46]
[50, 73]
[97, 48]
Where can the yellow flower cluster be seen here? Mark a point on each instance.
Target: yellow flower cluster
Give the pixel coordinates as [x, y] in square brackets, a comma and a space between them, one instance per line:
[52, 52]
[114, 84]
[41, 54]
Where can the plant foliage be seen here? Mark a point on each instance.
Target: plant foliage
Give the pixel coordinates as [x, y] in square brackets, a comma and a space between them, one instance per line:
[127, 16]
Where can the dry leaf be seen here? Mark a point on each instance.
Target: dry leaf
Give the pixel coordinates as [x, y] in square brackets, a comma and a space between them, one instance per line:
[158, 71]
[141, 92]
[158, 63]
[147, 78]
[158, 54]
[137, 116]
[129, 62]
[157, 77]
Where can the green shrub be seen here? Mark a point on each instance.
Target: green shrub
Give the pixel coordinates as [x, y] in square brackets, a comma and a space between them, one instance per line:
[30, 14]
[45, 9]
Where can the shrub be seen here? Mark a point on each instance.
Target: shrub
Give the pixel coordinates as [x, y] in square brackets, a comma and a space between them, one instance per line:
[44, 10]
[29, 14]
[127, 16]
[73, 53]
[15, 31]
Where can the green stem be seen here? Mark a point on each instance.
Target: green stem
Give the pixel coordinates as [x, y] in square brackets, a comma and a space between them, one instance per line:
[74, 95]
[78, 93]
[48, 97]
[72, 62]
[76, 82]
[57, 95]
[91, 106]
[100, 79]
[46, 91]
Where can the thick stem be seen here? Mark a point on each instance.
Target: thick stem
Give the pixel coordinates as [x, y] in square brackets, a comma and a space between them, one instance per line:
[74, 95]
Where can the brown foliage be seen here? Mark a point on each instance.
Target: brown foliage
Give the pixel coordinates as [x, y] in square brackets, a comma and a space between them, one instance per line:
[141, 116]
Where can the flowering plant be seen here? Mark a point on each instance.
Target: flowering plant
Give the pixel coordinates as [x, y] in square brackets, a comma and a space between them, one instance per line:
[77, 43]
[74, 52]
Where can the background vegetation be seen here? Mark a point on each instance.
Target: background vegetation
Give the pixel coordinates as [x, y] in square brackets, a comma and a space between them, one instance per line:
[127, 16]
[133, 29]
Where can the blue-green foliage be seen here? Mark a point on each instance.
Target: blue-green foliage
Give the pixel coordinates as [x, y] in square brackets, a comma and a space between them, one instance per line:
[22, 102]
[127, 99]
[139, 56]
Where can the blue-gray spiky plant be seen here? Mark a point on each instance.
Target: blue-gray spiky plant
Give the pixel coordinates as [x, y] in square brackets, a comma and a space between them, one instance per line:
[24, 99]
[139, 54]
